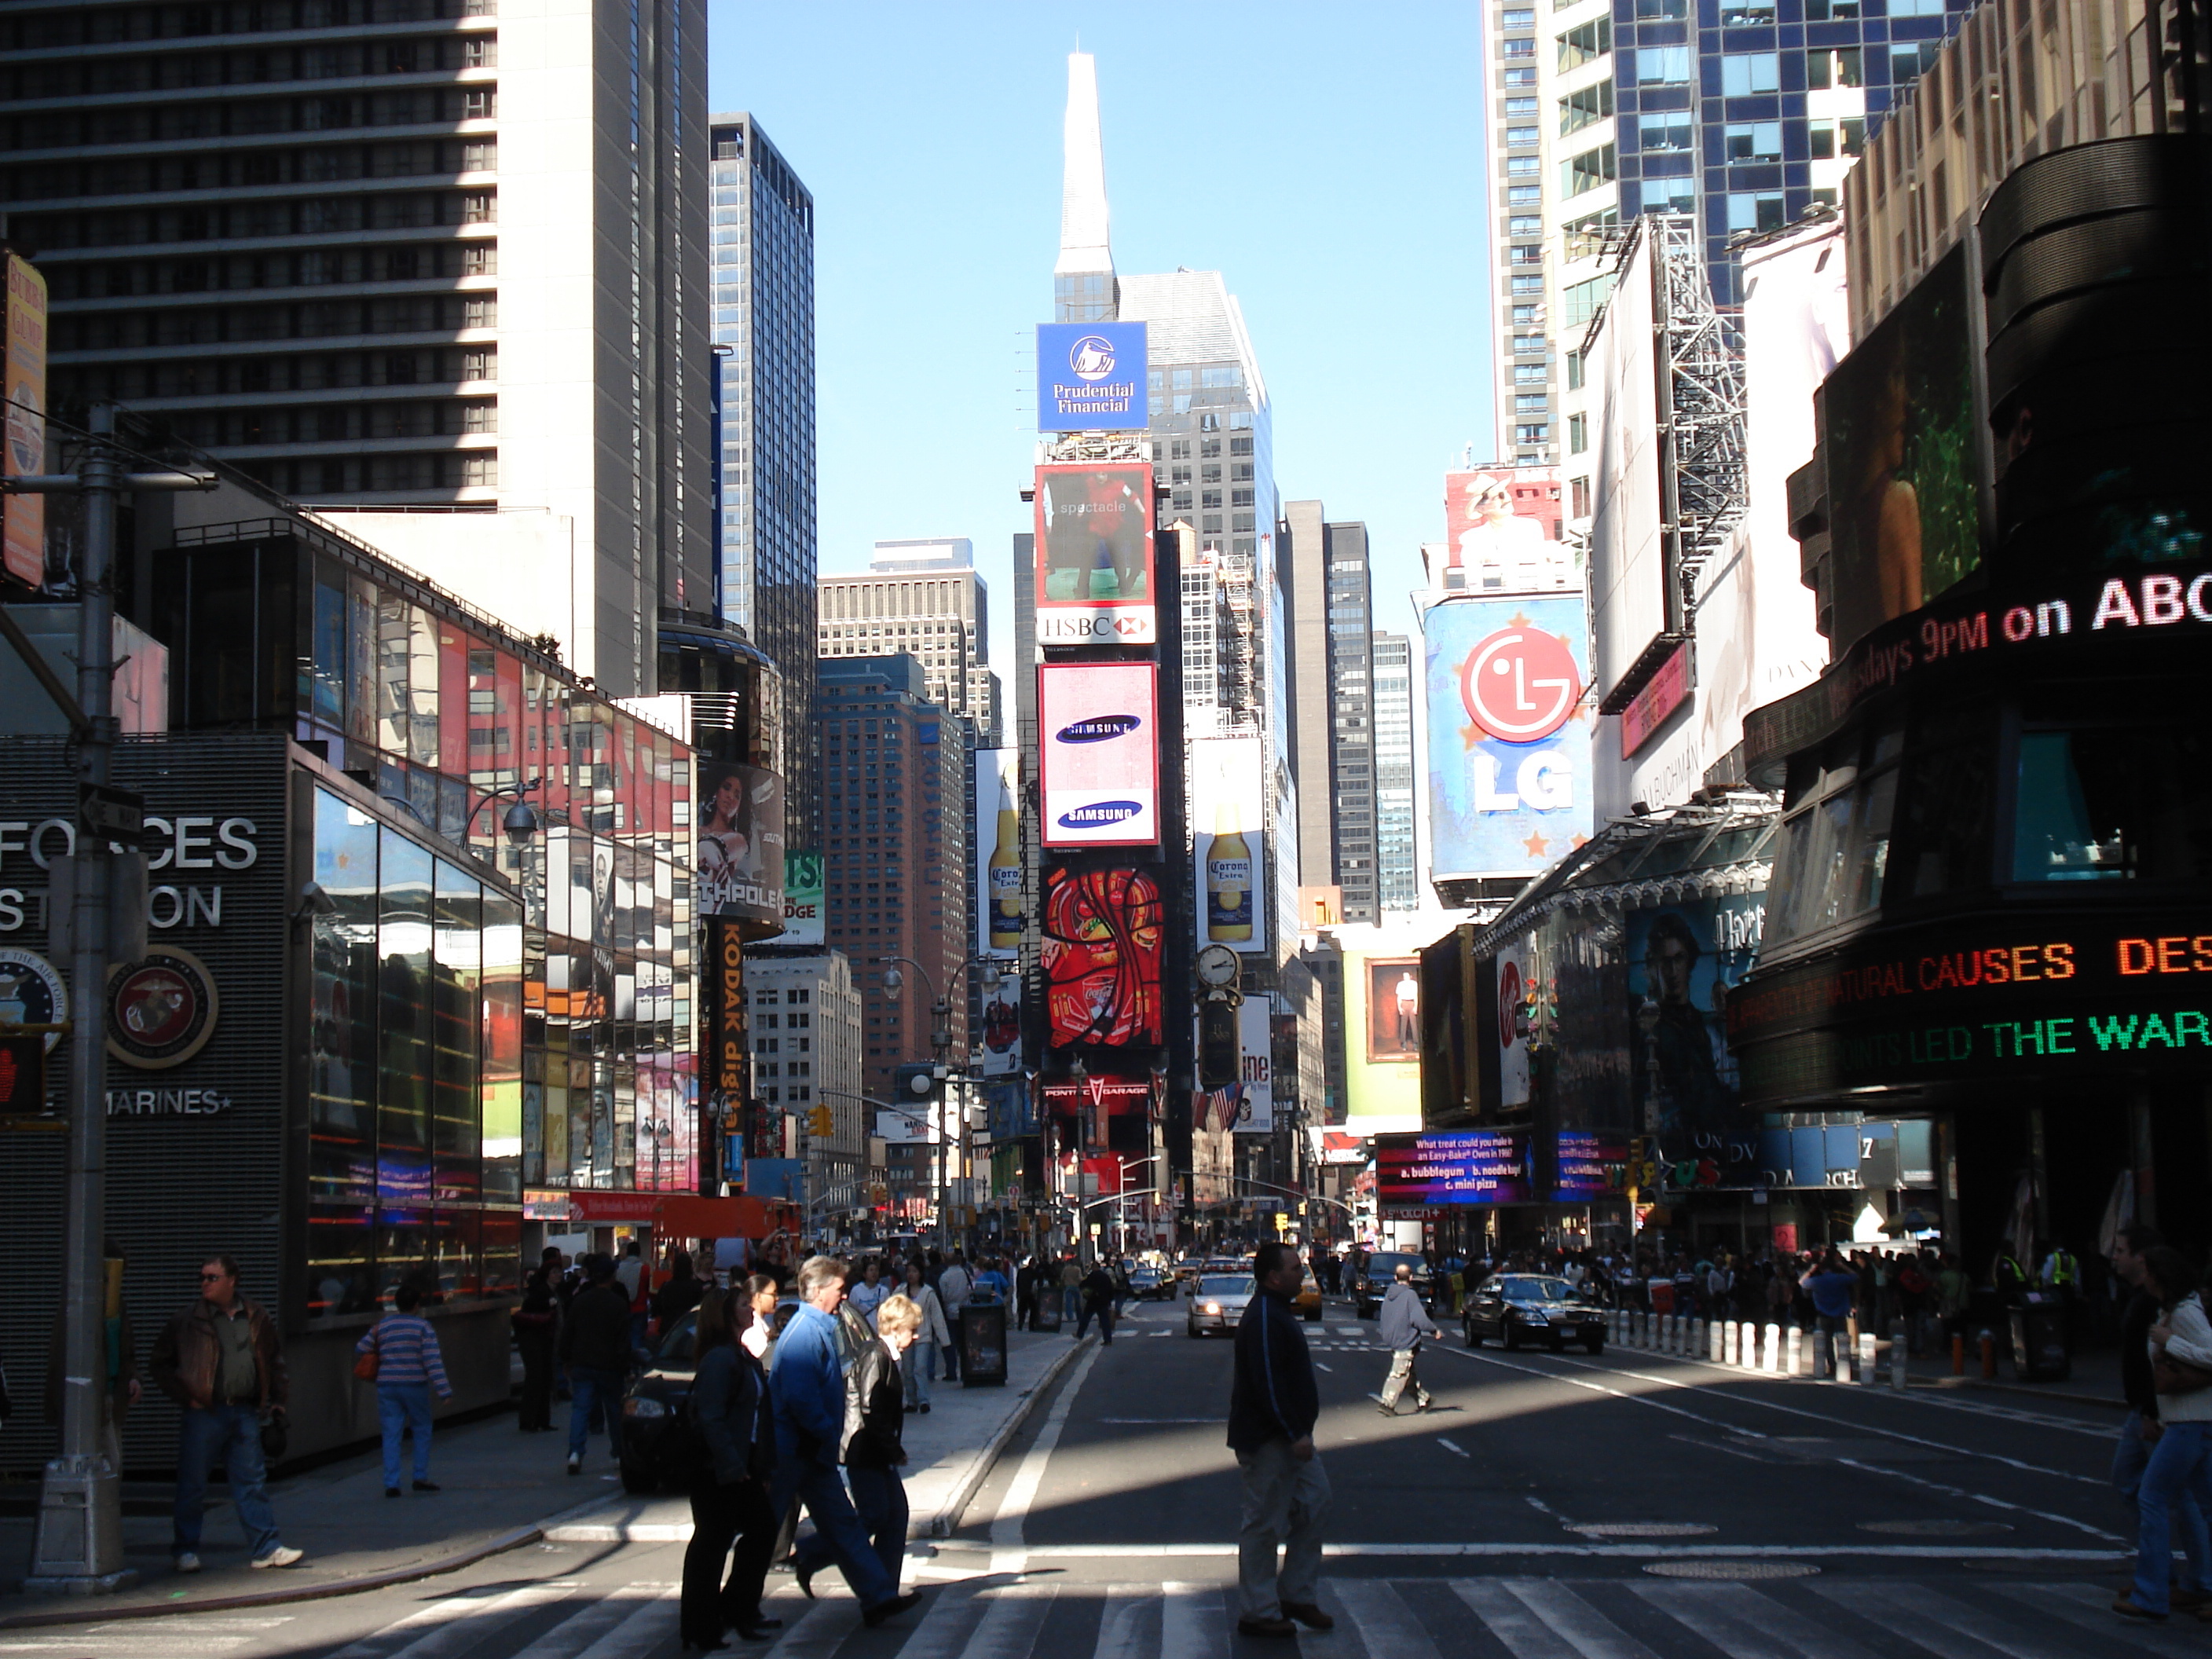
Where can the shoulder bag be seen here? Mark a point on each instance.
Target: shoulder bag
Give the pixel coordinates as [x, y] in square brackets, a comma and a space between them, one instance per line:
[365, 1364]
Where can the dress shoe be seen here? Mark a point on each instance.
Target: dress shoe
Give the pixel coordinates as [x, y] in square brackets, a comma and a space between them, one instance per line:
[874, 1616]
[1309, 1615]
[703, 1645]
[391, 1492]
[428, 1485]
[1249, 1625]
[2128, 1608]
[805, 1575]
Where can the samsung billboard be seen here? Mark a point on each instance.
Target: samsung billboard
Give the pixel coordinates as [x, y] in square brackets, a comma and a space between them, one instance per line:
[1090, 377]
[1100, 748]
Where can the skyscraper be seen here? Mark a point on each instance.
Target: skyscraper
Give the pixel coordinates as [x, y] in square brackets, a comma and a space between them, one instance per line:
[1332, 612]
[925, 598]
[763, 338]
[1745, 116]
[421, 256]
[1397, 774]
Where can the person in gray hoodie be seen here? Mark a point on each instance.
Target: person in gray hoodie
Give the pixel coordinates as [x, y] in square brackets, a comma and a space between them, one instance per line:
[1402, 1323]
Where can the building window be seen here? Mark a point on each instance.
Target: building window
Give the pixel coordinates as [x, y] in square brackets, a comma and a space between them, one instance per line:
[1520, 135]
[1743, 73]
[1837, 66]
[1748, 212]
[1579, 109]
[1907, 64]
[1520, 108]
[1827, 138]
[1578, 498]
[1589, 170]
[1532, 434]
[1574, 370]
[1529, 283]
[1528, 374]
[1822, 11]
[1665, 132]
[1517, 19]
[1521, 166]
[1578, 434]
[1585, 45]
[1524, 77]
[1663, 66]
[1743, 14]
[1532, 404]
[1583, 298]
[1525, 224]
[1755, 141]
[1524, 195]
[1527, 253]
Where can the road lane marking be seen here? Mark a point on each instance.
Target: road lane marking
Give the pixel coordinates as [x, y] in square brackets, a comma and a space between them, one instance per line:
[1981, 1498]
[1583, 1549]
[1318, 1367]
[1906, 1610]
[1014, 1507]
[1450, 1447]
[1193, 1624]
[1122, 1632]
[1590, 1633]
[1510, 1621]
[1385, 1623]
[454, 1624]
[2090, 1609]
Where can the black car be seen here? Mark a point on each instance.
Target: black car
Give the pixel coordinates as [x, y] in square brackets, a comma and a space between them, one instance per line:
[1372, 1282]
[1518, 1308]
[1151, 1284]
[655, 1396]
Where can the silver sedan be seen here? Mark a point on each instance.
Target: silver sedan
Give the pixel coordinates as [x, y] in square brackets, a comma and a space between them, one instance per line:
[1218, 1301]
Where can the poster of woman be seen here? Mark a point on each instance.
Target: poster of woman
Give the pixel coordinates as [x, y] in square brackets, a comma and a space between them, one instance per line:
[740, 849]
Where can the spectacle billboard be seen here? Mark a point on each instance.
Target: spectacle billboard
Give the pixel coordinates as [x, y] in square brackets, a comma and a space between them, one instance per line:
[1459, 1166]
[997, 846]
[1095, 578]
[1502, 525]
[1099, 728]
[1227, 802]
[1102, 957]
[1092, 377]
[1509, 733]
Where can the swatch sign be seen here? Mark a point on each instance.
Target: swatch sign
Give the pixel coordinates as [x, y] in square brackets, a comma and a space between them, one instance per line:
[1101, 782]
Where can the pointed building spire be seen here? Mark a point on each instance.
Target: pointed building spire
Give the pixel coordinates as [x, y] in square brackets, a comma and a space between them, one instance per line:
[1083, 278]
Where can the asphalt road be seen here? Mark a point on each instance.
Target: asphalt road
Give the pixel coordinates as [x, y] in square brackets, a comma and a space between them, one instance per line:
[1549, 1507]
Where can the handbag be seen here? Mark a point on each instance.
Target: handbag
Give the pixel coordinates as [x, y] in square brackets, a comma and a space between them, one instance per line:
[365, 1364]
[2177, 1376]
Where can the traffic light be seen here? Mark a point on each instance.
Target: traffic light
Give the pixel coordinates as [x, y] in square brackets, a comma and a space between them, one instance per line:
[820, 1122]
[1219, 1058]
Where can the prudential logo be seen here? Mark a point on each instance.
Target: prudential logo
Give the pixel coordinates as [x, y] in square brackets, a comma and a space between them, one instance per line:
[1091, 358]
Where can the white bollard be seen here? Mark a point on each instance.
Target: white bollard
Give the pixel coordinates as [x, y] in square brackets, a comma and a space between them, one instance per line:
[1731, 1334]
[1636, 1328]
[1716, 1337]
[1749, 1357]
[1677, 1338]
[1796, 1352]
[1697, 1338]
[1866, 1358]
[1772, 1365]
[1899, 1352]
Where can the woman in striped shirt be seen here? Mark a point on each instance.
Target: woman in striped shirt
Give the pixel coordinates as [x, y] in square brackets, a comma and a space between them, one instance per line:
[408, 1366]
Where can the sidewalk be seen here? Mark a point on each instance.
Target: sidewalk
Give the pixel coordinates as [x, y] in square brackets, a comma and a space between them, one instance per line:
[502, 1489]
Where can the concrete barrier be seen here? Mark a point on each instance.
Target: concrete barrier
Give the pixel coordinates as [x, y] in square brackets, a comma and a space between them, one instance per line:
[1866, 1358]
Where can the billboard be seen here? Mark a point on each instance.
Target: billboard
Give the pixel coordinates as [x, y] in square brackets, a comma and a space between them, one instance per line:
[1102, 957]
[1628, 573]
[1255, 1088]
[997, 844]
[804, 900]
[1590, 1166]
[1227, 796]
[1683, 961]
[1904, 493]
[1502, 533]
[1099, 726]
[1095, 577]
[1459, 1166]
[1516, 990]
[1509, 733]
[740, 873]
[1382, 1043]
[24, 541]
[1091, 377]
[1002, 1024]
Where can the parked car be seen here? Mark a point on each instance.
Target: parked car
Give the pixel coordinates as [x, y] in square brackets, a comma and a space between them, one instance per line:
[651, 1403]
[1371, 1283]
[1518, 1308]
[1218, 1303]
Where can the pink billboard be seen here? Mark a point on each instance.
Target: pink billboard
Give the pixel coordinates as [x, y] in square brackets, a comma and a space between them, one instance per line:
[1098, 729]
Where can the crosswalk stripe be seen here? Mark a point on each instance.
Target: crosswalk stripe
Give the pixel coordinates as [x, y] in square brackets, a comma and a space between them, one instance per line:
[581, 1636]
[1016, 1614]
[1385, 1623]
[1907, 1609]
[2091, 1609]
[465, 1632]
[1523, 1634]
[1745, 1625]
[1594, 1635]
[638, 1634]
[1193, 1624]
[811, 1630]
[434, 1621]
[942, 1628]
[1128, 1624]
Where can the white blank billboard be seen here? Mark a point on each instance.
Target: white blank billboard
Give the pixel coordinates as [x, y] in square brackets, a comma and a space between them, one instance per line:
[1627, 582]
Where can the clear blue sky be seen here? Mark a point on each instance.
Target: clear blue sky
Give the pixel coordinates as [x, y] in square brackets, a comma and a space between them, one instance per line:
[1325, 159]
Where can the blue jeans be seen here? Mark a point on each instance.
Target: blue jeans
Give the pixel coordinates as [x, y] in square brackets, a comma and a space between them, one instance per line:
[1071, 1302]
[952, 1348]
[234, 1434]
[880, 1496]
[2180, 1468]
[917, 1363]
[401, 1407]
[1104, 1313]
[839, 1534]
[593, 1387]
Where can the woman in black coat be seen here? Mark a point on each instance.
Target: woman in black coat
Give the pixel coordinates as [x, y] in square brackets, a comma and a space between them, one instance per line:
[535, 1323]
[729, 1493]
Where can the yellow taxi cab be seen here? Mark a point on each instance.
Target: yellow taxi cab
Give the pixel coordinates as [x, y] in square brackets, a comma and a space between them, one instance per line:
[1308, 1300]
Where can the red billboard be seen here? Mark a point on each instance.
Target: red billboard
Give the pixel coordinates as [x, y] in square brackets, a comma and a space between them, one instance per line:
[1094, 575]
[1502, 533]
[1099, 738]
[1102, 957]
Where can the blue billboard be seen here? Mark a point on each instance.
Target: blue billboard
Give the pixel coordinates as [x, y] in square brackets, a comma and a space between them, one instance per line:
[1509, 715]
[1090, 377]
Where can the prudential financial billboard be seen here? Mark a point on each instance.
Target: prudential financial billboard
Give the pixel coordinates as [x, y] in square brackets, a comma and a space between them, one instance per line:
[1509, 733]
[1090, 377]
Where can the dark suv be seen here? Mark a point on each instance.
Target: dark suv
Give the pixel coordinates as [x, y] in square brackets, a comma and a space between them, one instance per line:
[1372, 1282]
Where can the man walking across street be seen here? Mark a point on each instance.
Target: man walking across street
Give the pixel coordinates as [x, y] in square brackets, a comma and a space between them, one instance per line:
[2140, 1434]
[807, 1384]
[1273, 1404]
[222, 1361]
[1401, 1323]
[1098, 1300]
[595, 1347]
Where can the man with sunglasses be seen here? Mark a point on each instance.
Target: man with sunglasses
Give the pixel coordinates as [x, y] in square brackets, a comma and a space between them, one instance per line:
[221, 1362]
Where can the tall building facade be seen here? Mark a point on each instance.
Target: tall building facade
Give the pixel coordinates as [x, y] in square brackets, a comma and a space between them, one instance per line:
[923, 599]
[415, 256]
[1743, 113]
[894, 852]
[805, 1024]
[1397, 775]
[1332, 616]
[763, 269]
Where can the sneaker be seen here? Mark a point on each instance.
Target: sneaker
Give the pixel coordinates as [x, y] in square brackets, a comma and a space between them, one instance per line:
[1249, 1625]
[283, 1556]
[2128, 1608]
[575, 1464]
[188, 1562]
[1309, 1615]
[874, 1616]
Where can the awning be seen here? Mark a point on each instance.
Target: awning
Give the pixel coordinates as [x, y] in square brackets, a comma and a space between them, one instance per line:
[677, 1215]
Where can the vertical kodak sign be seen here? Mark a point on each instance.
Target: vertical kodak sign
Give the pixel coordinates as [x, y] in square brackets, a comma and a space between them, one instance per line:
[23, 547]
[730, 1063]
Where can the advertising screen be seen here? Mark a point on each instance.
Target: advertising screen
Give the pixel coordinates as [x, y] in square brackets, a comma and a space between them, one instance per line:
[1098, 727]
[1090, 377]
[1227, 796]
[1683, 961]
[1904, 492]
[1515, 992]
[1255, 1046]
[1095, 554]
[741, 851]
[1002, 1024]
[1502, 528]
[997, 843]
[802, 899]
[1627, 573]
[1102, 957]
[25, 545]
[1590, 1166]
[1459, 1166]
[1383, 1027]
[1508, 723]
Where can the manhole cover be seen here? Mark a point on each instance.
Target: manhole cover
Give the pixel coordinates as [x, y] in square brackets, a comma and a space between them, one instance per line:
[1731, 1568]
[1935, 1528]
[1640, 1528]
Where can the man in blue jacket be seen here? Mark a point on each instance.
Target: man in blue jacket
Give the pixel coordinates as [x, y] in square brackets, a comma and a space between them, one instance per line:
[1273, 1404]
[807, 1386]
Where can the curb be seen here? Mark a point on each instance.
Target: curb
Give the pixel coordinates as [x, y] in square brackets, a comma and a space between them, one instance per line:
[88, 1610]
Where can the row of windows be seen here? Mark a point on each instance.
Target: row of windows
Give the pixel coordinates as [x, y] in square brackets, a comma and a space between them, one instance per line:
[101, 26]
[313, 217]
[123, 279]
[313, 479]
[207, 377]
[229, 429]
[156, 123]
[215, 325]
[245, 169]
[166, 71]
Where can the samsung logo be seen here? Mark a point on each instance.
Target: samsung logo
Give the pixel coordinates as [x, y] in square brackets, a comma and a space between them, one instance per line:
[1094, 813]
[1100, 728]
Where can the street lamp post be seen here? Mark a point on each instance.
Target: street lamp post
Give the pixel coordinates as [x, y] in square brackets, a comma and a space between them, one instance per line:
[940, 1046]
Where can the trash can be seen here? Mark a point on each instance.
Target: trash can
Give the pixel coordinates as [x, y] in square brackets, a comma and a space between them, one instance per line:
[983, 1344]
[2039, 1341]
